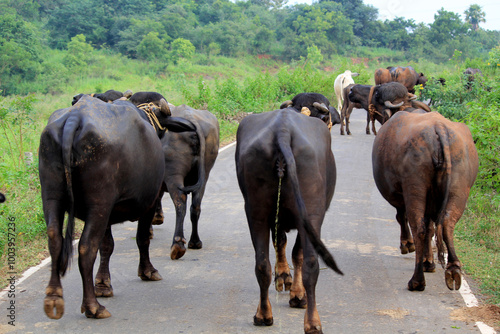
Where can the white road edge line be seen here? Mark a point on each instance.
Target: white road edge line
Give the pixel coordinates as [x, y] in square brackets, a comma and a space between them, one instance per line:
[471, 301]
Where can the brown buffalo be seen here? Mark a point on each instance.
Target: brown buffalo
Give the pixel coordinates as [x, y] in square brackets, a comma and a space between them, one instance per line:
[286, 173]
[404, 75]
[425, 165]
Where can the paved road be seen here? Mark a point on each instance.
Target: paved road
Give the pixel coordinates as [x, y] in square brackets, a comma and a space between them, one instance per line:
[214, 290]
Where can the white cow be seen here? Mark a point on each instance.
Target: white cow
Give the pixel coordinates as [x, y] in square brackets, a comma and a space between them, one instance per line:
[343, 80]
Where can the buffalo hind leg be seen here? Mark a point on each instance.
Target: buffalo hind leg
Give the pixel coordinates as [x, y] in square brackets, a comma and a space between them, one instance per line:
[158, 218]
[282, 276]
[453, 272]
[259, 231]
[406, 240]
[90, 241]
[102, 286]
[429, 265]
[420, 231]
[146, 271]
[310, 273]
[54, 302]
[297, 291]
[197, 196]
[178, 248]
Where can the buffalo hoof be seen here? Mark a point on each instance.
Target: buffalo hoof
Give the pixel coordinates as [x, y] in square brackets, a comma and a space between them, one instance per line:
[295, 302]
[152, 275]
[283, 281]
[416, 286]
[103, 288]
[53, 305]
[453, 278]
[195, 244]
[314, 331]
[98, 312]
[409, 247]
[157, 219]
[262, 322]
[429, 267]
[178, 249]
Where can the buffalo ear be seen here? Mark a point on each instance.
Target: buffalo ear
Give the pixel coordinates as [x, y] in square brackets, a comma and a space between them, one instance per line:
[355, 74]
[178, 124]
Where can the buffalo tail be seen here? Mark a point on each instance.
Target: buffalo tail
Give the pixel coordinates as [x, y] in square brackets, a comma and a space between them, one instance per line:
[201, 167]
[445, 145]
[68, 136]
[285, 148]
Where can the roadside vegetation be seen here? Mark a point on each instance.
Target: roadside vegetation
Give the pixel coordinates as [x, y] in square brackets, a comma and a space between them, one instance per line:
[41, 72]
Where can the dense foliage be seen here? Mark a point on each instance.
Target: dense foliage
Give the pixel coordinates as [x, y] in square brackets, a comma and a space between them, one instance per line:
[170, 30]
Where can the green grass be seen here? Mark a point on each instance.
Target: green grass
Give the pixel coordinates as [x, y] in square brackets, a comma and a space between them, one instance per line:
[477, 238]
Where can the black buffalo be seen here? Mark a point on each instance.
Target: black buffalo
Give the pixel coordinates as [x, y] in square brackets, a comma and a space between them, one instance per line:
[108, 96]
[471, 74]
[285, 164]
[380, 101]
[102, 163]
[314, 105]
[189, 157]
[2, 198]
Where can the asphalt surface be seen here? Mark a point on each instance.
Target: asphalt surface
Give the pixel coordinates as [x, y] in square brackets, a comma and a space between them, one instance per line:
[214, 290]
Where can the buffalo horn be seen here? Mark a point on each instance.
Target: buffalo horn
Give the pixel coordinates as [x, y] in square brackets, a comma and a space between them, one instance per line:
[412, 97]
[321, 106]
[164, 107]
[286, 104]
[389, 104]
[127, 94]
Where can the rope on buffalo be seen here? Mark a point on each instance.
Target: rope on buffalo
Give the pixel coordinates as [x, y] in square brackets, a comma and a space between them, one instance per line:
[148, 109]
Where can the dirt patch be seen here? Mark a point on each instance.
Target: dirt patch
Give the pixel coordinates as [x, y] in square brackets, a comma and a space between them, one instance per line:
[489, 314]
[398, 313]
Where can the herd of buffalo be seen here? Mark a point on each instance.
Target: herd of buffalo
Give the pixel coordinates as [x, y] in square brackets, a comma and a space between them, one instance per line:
[110, 157]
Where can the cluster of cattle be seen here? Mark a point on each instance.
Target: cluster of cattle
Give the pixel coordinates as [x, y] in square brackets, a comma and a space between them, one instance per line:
[92, 166]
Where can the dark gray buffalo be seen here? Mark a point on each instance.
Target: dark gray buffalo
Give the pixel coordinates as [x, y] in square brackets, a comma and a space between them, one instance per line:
[108, 96]
[425, 165]
[189, 157]
[102, 163]
[284, 164]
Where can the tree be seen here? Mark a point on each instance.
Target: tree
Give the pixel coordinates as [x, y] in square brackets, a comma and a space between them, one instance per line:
[78, 52]
[20, 49]
[182, 48]
[151, 47]
[446, 26]
[474, 15]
